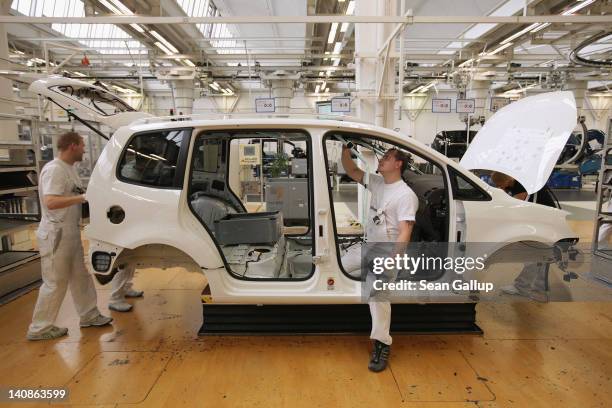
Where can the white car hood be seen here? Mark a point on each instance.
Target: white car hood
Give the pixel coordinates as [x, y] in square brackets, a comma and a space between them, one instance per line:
[524, 139]
[87, 101]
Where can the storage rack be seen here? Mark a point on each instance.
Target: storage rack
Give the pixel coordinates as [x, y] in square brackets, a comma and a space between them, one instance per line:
[19, 208]
[602, 252]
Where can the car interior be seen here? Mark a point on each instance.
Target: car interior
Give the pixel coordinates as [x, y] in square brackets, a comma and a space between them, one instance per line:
[251, 189]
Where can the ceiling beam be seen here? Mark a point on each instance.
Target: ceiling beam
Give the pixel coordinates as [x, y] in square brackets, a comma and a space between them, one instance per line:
[114, 19]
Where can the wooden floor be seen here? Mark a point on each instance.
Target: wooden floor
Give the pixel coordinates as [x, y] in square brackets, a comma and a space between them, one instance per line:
[531, 355]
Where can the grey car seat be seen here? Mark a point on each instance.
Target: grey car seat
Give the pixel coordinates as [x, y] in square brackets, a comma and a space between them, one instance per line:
[209, 209]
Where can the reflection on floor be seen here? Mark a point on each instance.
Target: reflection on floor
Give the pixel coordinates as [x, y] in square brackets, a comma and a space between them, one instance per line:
[531, 355]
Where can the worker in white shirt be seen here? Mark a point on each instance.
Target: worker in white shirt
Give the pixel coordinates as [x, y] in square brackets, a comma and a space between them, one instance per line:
[59, 240]
[391, 218]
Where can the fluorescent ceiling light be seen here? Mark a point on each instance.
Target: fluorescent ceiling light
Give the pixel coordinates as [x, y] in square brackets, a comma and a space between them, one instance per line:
[332, 33]
[344, 27]
[77, 73]
[329, 71]
[454, 44]
[18, 52]
[446, 52]
[341, 1]
[321, 73]
[163, 47]
[577, 7]
[498, 49]
[214, 86]
[519, 33]
[323, 84]
[350, 9]
[122, 7]
[189, 62]
[164, 41]
[337, 47]
[326, 90]
[229, 91]
[336, 61]
[417, 89]
[464, 63]
[317, 88]
[111, 7]
[535, 30]
[137, 28]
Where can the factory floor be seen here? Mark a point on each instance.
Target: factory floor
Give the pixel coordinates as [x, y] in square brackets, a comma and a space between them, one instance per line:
[530, 355]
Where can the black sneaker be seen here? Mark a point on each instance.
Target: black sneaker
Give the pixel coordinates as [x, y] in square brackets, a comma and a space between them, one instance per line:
[380, 356]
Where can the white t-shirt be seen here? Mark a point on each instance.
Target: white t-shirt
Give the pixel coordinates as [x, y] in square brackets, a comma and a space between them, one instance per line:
[396, 201]
[60, 178]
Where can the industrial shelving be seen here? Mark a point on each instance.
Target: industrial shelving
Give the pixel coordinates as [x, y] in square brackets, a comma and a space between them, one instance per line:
[19, 208]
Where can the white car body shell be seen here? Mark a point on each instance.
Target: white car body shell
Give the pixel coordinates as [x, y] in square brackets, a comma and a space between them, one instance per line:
[160, 229]
[162, 218]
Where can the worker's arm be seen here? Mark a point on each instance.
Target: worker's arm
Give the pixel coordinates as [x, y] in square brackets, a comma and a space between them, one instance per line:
[56, 202]
[350, 167]
[403, 238]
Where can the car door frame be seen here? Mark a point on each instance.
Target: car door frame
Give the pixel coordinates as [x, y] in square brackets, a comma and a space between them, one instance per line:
[441, 165]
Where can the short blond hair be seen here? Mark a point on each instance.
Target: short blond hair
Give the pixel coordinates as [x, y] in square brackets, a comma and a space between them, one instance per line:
[67, 139]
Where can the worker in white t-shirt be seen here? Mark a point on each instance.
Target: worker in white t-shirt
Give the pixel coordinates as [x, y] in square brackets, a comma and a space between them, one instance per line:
[391, 217]
[59, 240]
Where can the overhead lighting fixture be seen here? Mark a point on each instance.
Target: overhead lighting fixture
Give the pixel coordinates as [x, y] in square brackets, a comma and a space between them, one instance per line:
[77, 73]
[229, 91]
[337, 47]
[323, 84]
[137, 28]
[426, 87]
[344, 27]
[464, 63]
[111, 7]
[329, 71]
[16, 51]
[326, 90]
[122, 7]
[498, 49]
[350, 9]
[164, 41]
[332, 33]
[341, 1]
[542, 26]
[577, 7]
[336, 61]
[318, 87]
[163, 48]
[189, 62]
[215, 86]
[519, 33]
[321, 73]
[417, 89]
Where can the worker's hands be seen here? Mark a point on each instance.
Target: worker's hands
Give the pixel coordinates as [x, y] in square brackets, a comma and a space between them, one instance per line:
[83, 198]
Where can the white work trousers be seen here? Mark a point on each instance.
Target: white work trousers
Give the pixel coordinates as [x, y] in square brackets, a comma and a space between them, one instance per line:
[121, 283]
[62, 265]
[605, 230]
[380, 310]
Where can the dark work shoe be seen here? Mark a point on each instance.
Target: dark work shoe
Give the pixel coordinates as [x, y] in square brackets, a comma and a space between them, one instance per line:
[380, 356]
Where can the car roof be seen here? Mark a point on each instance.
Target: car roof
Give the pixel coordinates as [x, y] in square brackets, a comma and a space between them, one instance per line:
[170, 122]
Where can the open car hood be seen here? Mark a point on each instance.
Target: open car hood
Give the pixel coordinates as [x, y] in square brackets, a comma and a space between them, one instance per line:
[86, 101]
[525, 138]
